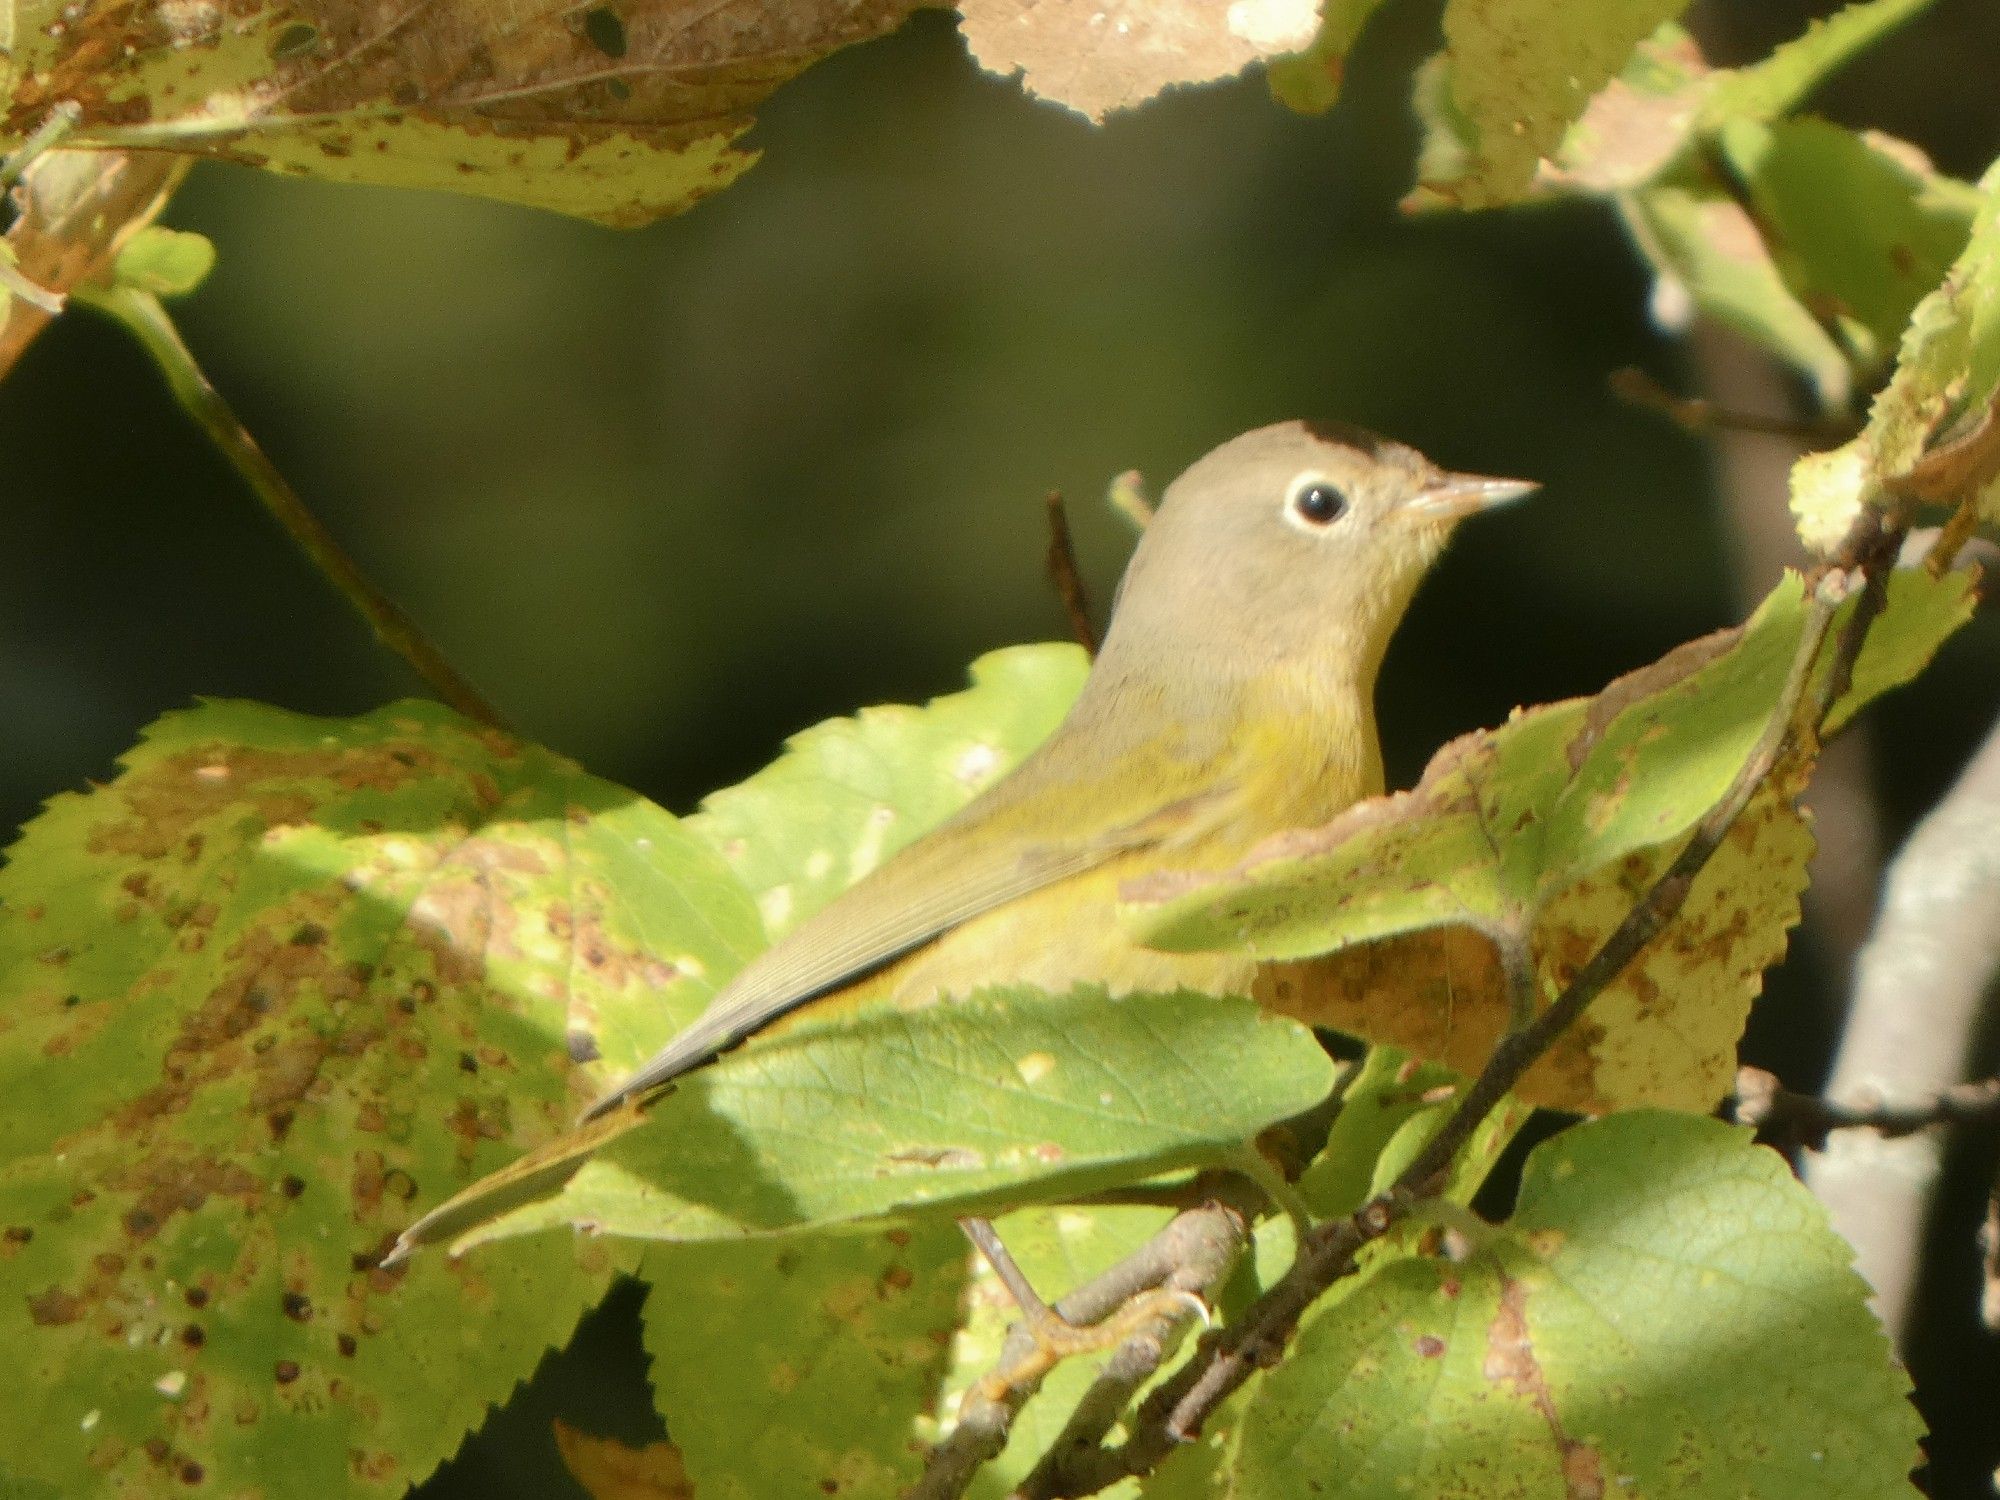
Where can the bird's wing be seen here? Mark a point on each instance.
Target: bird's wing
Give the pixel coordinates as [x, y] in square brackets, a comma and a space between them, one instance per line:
[964, 868]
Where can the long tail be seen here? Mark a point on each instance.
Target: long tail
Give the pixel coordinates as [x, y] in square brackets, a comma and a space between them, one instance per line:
[713, 1033]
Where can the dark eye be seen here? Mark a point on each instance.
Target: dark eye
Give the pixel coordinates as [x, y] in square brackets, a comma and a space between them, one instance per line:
[1320, 504]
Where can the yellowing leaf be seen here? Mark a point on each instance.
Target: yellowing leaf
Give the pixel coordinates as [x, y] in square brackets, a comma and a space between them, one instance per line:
[1099, 56]
[620, 111]
[279, 981]
[1391, 920]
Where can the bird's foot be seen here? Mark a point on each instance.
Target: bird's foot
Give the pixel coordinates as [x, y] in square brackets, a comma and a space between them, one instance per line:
[1052, 1337]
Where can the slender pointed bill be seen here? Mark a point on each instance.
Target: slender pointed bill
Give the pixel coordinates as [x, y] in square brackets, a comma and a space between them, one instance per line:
[1457, 496]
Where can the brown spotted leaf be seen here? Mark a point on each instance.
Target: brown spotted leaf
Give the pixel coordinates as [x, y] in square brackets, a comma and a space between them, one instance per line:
[1389, 921]
[274, 987]
[1100, 56]
[620, 111]
[1667, 1313]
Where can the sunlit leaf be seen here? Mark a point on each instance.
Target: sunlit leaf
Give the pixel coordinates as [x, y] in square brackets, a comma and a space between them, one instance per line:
[1667, 1313]
[1810, 239]
[848, 793]
[278, 983]
[1763, 91]
[1117, 54]
[1388, 1111]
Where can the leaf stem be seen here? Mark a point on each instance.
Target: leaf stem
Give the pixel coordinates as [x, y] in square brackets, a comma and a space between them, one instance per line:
[148, 321]
[1068, 577]
[60, 121]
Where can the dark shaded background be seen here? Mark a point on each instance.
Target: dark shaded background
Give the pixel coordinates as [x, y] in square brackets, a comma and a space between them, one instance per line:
[669, 495]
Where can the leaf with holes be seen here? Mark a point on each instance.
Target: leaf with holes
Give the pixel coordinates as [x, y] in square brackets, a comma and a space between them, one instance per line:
[278, 981]
[1532, 1364]
[1389, 921]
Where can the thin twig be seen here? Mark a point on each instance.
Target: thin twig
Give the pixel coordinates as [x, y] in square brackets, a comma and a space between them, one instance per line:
[986, 1240]
[60, 121]
[1177, 1409]
[1068, 576]
[1790, 1120]
[1989, 1262]
[148, 321]
[1188, 1259]
[1695, 414]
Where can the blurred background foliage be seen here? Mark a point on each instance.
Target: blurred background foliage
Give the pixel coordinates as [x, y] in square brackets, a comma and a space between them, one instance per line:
[669, 495]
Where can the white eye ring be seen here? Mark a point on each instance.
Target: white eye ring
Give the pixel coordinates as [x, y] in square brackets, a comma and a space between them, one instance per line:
[1313, 503]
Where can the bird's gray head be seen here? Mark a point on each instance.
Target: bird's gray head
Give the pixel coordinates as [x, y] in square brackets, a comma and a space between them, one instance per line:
[1300, 543]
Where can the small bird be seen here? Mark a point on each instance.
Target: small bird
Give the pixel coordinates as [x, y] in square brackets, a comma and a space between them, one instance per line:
[1233, 698]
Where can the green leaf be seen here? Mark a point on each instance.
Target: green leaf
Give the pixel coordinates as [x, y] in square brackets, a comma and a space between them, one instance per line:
[617, 112]
[165, 262]
[1860, 227]
[799, 1365]
[1004, 1097]
[1642, 1243]
[280, 980]
[1931, 433]
[1920, 615]
[1514, 76]
[1547, 828]
[848, 793]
